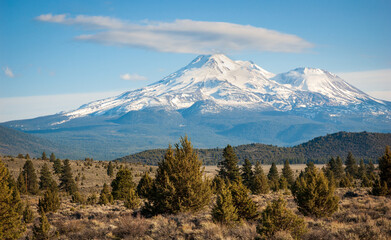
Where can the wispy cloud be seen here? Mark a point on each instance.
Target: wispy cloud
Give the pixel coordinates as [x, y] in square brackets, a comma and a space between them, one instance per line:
[132, 77]
[8, 72]
[182, 36]
[377, 83]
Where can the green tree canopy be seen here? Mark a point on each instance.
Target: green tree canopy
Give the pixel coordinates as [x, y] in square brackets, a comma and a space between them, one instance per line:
[229, 169]
[122, 184]
[30, 177]
[67, 183]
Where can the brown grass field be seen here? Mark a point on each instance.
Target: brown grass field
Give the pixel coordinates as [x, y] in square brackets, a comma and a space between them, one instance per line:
[359, 217]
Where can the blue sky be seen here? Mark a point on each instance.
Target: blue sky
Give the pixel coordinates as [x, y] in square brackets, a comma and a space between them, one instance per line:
[57, 55]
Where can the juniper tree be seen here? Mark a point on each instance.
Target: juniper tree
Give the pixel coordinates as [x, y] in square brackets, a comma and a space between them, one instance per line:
[28, 214]
[385, 168]
[57, 166]
[44, 157]
[21, 183]
[45, 180]
[277, 217]
[247, 173]
[314, 195]
[224, 210]
[122, 184]
[273, 177]
[110, 169]
[379, 188]
[370, 167]
[67, 183]
[41, 231]
[180, 184]
[144, 186]
[31, 180]
[50, 202]
[105, 195]
[351, 165]
[52, 157]
[246, 207]
[132, 201]
[362, 169]
[11, 225]
[229, 169]
[288, 174]
[260, 184]
[27, 156]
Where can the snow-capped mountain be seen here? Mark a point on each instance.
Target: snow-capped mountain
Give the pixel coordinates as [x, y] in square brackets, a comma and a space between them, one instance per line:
[216, 101]
[231, 84]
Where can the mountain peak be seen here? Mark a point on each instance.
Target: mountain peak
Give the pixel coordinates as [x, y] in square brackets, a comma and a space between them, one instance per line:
[210, 60]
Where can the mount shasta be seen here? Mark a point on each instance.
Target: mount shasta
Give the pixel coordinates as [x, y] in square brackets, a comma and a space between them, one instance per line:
[216, 101]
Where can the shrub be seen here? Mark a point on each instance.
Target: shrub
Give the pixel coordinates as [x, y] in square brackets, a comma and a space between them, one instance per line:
[41, 231]
[277, 217]
[78, 198]
[132, 201]
[122, 184]
[314, 195]
[28, 214]
[105, 195]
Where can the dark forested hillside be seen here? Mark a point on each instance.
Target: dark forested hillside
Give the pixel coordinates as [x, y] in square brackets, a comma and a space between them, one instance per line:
[363, 145]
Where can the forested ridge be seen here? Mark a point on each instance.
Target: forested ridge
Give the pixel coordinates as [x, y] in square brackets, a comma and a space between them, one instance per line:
[363, 145]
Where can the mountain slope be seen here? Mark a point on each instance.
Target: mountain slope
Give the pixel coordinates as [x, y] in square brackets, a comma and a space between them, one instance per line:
[363, 145]
[216, 101]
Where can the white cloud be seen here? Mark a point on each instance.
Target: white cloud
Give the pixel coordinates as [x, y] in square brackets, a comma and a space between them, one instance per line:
[132, 77]
[8, 72]
[14, 108]
[183, 36]
[376, 83]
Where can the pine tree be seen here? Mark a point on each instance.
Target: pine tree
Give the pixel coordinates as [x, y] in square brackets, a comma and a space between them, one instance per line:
[246, 207]
[50, 201]
[366, 182]
[44, 157]
[180, 184]
[260, 184]
[314, 195]
[21, 183]
[122, 184]
[52, 157]
[224, 210]
[277, 217]
[57, 166]
[288, 174]
[362, 170]
[28, 214]
[370, 167]
[41, 232]
[229, 169]
[45, 180]
[110, 169]
[282, 183]
[11, 225]
[273, 177]
[132, 201]
[105, 195]
[67, 183]
[385, 168]
[247, 173]
[351, 165]
[379, 188]
[30, 177]
[27, 156]
[145, 185]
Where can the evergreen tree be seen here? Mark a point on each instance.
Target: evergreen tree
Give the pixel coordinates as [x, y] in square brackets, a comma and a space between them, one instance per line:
[122, 184]
[370, 167]
[247, 173]
[246, 207]
[145, 185]
[30, 177]
[314, 195]
[52, 157]
[346, 181]
[282, 183]
[21, 183]
[260, 184]
[45, 180]
[41, 232]
[50, 201]
[105, 195]
[273, 177]
[336, 166]
[57, 166]
[277, 217]
[180, 184]
[110, 169]
[385, 168]
[362, 170]
[132, 201]
[27, 156]
[28, 214]
[366, 182]
[351, 165]
[11, 225]
[44, 157]
[288, 174]
[229, 169]
[379, 188]
[224, 210]
[67, 183]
